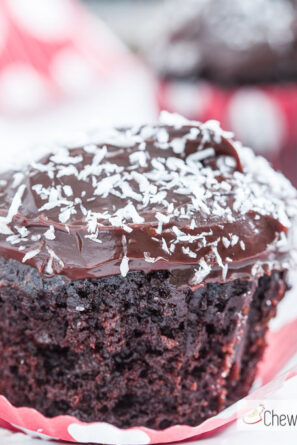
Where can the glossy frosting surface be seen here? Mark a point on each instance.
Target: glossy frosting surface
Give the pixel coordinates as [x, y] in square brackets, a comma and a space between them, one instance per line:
[179, 195]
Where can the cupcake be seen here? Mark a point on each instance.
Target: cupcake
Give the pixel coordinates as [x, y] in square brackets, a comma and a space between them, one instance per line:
[235, 61]
[139, 273]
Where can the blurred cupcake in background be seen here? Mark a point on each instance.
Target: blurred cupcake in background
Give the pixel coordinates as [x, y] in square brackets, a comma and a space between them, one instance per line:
[234, 61]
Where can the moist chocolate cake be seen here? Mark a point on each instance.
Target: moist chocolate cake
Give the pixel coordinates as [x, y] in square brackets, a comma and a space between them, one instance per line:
[229, 42]
[138, 274]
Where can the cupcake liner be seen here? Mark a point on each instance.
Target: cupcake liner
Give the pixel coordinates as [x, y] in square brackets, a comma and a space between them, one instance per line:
[68, 428]
[263, 117]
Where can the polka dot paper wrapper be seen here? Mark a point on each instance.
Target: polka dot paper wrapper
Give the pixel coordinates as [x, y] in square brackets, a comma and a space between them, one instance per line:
[271, 377]
[263, 117]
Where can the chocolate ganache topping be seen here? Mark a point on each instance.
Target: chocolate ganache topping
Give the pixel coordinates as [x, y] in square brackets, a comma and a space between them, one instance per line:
[180, 196]
[228, 41]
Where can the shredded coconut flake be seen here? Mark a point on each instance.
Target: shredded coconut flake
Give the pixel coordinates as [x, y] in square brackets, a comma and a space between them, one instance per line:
[124, 267]
[16, 203]
[158, 185]
[30, 254]
[150, 259]
[50, 233]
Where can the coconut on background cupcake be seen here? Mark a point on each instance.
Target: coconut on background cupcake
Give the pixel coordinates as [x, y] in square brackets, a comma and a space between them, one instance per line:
[235, 61]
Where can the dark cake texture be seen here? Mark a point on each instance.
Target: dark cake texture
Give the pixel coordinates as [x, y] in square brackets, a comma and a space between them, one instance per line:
[134, 350]
[138, 274]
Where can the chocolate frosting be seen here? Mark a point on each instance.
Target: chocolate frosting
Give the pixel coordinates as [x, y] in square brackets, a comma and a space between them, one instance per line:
[229, 41]
[179, 196]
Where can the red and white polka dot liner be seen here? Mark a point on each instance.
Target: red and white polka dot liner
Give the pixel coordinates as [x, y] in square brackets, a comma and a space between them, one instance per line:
[263, 117]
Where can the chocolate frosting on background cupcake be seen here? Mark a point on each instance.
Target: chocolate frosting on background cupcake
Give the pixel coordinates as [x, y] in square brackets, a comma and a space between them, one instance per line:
[229, 41]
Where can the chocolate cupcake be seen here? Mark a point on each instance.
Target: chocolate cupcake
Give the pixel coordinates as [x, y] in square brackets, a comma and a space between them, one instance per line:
[139, 273]
[234, 61]
[231, 43]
